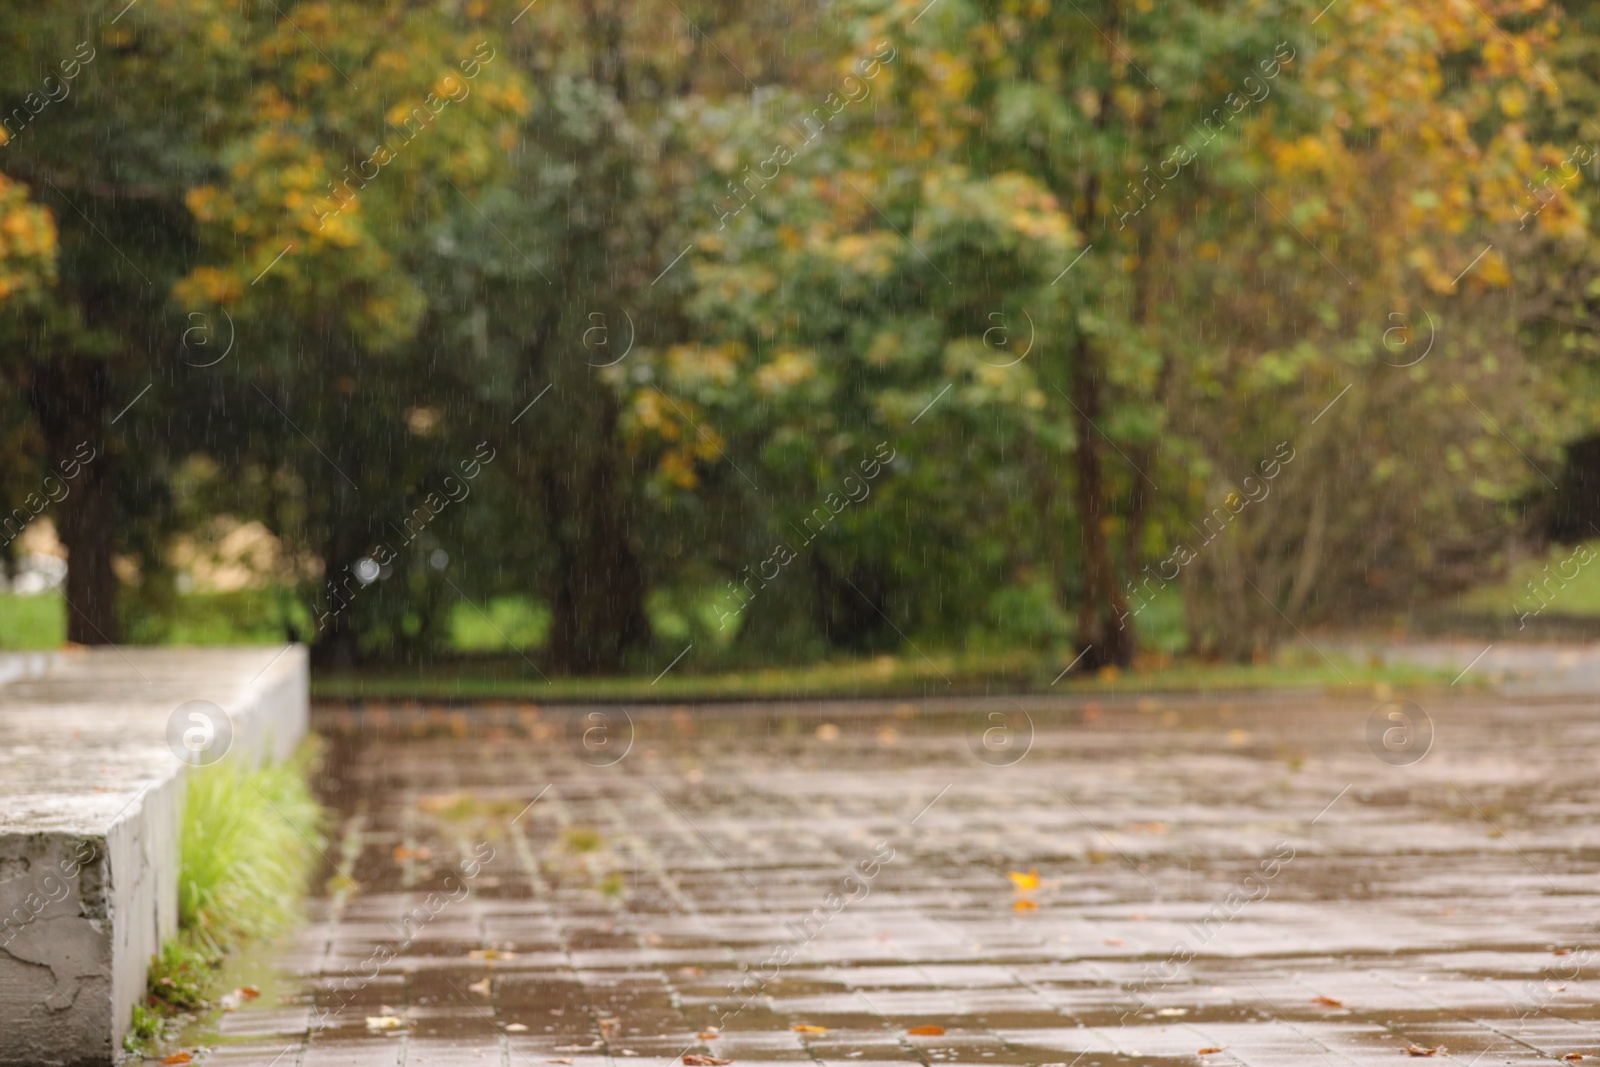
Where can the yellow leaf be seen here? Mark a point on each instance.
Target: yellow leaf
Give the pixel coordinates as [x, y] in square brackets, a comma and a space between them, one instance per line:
[1025, 882]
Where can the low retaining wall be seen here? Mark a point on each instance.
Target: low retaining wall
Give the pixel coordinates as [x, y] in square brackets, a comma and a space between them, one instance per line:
[91, 792]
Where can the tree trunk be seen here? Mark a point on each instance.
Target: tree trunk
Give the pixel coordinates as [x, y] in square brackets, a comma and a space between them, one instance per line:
[597, 587]
[1105, 629]
[849, 606]
[334, 612]
[68, 396]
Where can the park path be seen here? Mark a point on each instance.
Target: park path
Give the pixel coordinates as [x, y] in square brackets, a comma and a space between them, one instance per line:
[1289, 880]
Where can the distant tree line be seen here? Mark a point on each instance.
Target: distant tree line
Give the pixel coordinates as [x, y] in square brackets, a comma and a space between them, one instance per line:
[665, 275]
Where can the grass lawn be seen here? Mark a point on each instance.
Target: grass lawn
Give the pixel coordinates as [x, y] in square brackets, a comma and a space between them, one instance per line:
[32, 622]
[1563, 584]
[482, 668]
[882, 676]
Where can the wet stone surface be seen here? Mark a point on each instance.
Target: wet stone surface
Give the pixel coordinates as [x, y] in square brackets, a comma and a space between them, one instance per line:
[855, 886]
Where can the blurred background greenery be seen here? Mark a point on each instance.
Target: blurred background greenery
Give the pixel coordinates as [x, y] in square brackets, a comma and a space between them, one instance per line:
[556, 340]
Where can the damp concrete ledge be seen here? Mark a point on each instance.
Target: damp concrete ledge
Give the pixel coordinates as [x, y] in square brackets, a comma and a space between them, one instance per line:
[91, 791]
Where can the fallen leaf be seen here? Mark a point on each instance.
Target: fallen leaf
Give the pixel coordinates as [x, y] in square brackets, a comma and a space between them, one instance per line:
[516, 1028]
[568, 1061]
[629, 1052]
[248, 992]
[1024, 882]
[1025, 905]
[695, 1059]
[691, 971]
[926, 1031]
[384, 1022]
[1573, 1056]
[401, 853]
[1562, 952]
[1327, 1002]
[708, 1035]
[491, 954]
[479, 987]
[1173, 1011]
[807, 1028]
[1208, 1050]
[1418, 1050]
[177, 1057]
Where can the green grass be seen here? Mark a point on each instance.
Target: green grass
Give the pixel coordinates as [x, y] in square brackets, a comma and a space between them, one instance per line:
[249, 841]
[32, 622]
[939, 674]
[246, 617]
[248, 844]
[514, 619]
[1577, 595]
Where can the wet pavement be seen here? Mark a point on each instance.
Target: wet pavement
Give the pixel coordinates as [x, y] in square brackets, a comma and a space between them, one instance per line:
[1269, 881]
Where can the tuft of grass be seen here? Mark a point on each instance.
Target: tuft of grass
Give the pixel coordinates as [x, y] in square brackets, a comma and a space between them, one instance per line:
[250, 836]
[180, 976]
[147, 1026]
[249, 839]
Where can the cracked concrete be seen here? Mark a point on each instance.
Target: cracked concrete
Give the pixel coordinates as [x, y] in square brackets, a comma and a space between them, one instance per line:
[90, 801]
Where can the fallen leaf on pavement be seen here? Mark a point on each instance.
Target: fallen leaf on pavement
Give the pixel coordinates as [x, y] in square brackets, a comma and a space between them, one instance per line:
[491, 954]
[695, 1059]
[1024, 882]
[1418, 1050]
[1024, 905]
[566, 1061]
[926, 1031]
[479, 987]
[1208, 1050]
[248, 992]
[1574, 1056]
[516, 1028]
[401, 852]
[177, 1057]
[1173, 1011]
[384, 1022]
[708, 1035]
[807, 1028]
[1327, 1002]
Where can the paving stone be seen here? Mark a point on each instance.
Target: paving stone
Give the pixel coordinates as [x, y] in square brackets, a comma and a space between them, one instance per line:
[1207, 871]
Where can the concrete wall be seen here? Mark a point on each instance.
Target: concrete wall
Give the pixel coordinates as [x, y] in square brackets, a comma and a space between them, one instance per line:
[91, 795]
